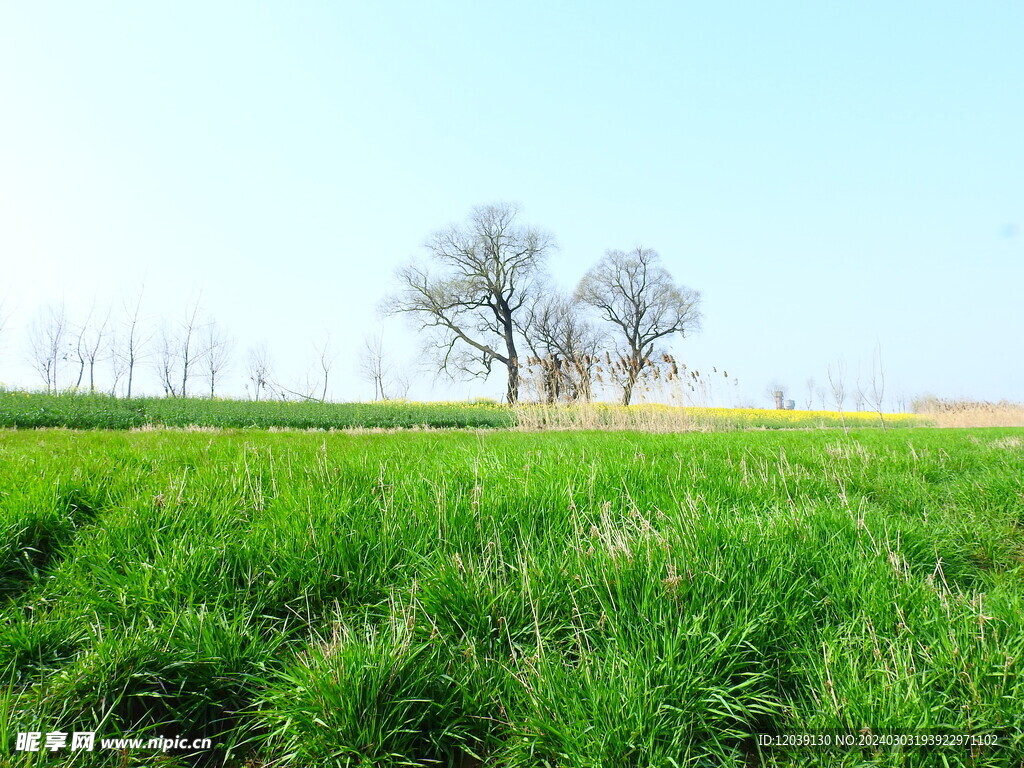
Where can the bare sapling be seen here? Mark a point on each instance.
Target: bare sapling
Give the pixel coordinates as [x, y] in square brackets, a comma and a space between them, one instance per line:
[325, 358]
[166, 362]
[217, 354]
[92, 346]
[47, 339]
[89, 347]
[837, 383]
[189, 351]
[859, 395]
[258, 370]
[129, 350]
[876, 391]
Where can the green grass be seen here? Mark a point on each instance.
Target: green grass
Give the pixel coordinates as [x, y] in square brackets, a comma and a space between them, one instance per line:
[560, 599]
[76, 411]
[23, 410]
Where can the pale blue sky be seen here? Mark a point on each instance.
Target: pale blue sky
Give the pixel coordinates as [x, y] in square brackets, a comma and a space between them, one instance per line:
[831, 176]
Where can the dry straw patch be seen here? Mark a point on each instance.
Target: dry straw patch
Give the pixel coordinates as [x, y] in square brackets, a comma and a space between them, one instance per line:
[653, 417]
[961, 413]
[174, 428]
[1009, 442]
[648, 418]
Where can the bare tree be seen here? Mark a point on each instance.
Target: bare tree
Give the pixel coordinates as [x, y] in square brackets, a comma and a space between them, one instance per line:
[837, 383]
[809, 383]
[372, 366]
[859, 395]
[876, 390]
[314, 387]
[306, 392]
[325, 357]
[634, 293]
[377, 367]
[77, 349]
[118, 366]
[217, 353]
[258, 370]
[47, 344]
[89, 346]
[180, 353]
[94, 347]
[127, 348]
[486, 270]
[167, 362]
[563, 344]
[189, 350]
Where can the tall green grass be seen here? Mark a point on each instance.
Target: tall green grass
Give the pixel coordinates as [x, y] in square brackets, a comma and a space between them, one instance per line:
[79, 411]
[511, 599]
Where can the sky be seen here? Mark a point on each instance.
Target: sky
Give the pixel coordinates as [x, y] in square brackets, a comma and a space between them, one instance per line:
[840, 181]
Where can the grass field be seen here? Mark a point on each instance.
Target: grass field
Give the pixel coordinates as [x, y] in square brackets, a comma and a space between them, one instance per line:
[514, 599]
[34, 410]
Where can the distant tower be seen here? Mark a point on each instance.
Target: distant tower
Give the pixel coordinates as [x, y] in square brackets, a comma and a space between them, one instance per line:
[779, 405]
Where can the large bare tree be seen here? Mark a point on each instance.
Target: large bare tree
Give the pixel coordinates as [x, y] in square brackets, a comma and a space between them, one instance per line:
[478, 277]
[564, 345]
[638, 297]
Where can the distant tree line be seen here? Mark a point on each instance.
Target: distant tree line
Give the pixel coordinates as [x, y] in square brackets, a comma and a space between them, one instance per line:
[481, 295]
[69, 355]
[108, 352]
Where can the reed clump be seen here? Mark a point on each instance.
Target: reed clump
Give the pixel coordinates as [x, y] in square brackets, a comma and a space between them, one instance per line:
[532, 417]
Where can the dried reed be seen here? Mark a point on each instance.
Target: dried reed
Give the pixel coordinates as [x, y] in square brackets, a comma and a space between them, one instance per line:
[966, 413]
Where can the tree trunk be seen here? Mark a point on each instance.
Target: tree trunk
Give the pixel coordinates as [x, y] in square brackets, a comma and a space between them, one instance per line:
[512, 391]
[632, 374]
[505, 316]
